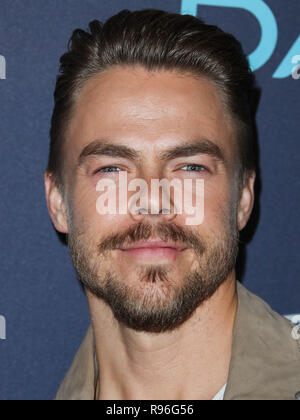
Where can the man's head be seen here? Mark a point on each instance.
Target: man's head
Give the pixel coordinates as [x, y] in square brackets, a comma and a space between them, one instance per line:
[152, 94]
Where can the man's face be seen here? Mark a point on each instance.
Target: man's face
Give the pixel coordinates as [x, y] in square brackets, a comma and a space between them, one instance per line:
[151, 114]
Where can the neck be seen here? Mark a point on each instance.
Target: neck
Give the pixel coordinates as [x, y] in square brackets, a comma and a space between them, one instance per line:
[191, 362]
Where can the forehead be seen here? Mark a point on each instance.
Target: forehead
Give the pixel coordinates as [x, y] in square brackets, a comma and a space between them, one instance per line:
[148, 110]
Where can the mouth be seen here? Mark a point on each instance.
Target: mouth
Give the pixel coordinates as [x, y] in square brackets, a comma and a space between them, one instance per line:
[154, 250]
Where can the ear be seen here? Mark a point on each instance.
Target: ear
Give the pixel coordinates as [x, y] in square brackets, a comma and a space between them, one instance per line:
[246, 202]
[55, 203]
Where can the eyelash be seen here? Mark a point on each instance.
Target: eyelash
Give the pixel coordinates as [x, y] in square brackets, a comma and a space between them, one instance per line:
[115, 167]
[195, 165]
[106, 167]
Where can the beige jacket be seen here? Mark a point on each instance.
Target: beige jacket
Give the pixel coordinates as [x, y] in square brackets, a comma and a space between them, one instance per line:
[265, 363]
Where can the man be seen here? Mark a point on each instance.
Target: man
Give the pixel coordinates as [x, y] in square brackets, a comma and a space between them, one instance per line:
[160, 96]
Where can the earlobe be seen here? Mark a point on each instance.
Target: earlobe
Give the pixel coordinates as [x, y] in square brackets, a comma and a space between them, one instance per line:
[55, 204]
[246, 202]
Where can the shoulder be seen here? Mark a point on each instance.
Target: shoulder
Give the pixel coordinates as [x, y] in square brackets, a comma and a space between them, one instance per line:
[265, 353]
[262, 320]
[79, 383]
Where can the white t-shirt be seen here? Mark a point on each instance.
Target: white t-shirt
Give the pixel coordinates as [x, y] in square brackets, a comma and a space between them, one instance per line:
[220, 395]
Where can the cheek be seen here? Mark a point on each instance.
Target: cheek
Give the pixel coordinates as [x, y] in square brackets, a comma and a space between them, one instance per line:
[88, 206]
[217, 204]
[84, 202]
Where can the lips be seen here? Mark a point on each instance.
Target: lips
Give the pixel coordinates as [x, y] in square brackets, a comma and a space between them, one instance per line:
[155, 245]
[154, 251]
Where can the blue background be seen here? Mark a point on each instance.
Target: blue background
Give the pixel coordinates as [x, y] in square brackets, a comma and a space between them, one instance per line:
[44, 306]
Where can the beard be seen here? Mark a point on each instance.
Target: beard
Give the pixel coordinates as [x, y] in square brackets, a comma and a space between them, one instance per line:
[156, 304]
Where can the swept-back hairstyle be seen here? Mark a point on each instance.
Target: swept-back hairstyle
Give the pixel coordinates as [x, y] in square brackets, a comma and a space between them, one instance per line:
[156, 40]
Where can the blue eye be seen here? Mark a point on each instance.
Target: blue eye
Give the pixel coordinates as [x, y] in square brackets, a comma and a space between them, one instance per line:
[195, 168]
[108, 169]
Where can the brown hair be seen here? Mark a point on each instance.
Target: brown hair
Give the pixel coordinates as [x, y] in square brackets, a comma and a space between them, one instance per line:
[156, 40]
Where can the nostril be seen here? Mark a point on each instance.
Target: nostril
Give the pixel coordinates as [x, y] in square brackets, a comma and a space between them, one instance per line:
[142, 211]
[166, 211]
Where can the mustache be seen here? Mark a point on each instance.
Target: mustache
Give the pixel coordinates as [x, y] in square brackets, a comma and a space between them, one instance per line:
[144, 231]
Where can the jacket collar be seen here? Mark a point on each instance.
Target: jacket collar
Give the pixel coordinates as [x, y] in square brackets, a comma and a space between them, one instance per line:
[265, 362]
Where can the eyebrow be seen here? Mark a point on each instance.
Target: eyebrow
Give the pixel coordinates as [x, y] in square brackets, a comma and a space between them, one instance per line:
[104, 148]
[203, 146]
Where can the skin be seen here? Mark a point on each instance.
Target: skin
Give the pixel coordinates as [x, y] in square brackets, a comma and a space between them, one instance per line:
[151, 112]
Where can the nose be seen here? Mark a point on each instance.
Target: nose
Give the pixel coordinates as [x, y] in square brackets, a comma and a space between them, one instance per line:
[143, 213]
[154, 200]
